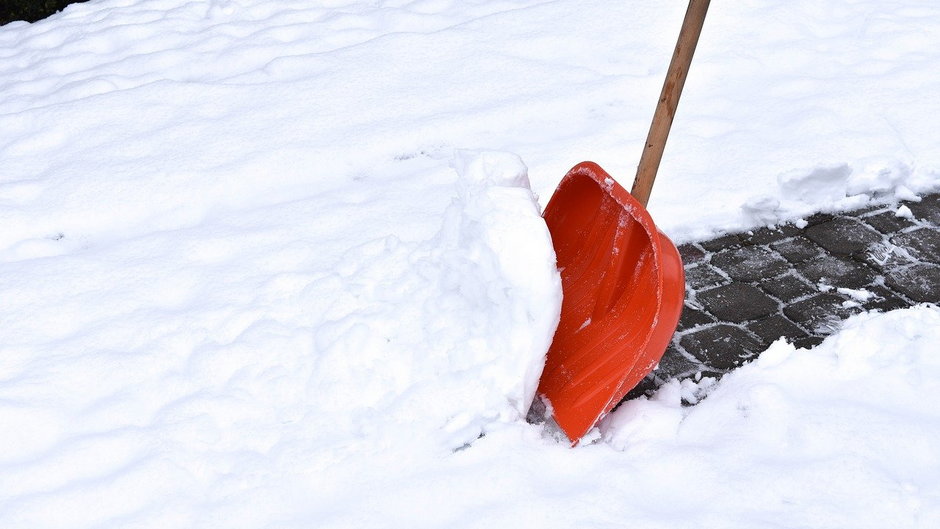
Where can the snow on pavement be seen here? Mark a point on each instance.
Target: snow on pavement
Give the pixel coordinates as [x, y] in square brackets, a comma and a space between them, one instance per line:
[250, 277]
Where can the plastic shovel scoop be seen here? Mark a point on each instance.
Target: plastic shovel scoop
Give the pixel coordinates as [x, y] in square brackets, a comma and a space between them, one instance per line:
[622, 280]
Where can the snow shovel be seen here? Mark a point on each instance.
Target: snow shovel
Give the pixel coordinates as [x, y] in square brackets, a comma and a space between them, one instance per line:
[622, 279]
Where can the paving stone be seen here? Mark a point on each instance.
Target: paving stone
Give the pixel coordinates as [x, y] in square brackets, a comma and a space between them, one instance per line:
[737, 302]
[787, 287]
[646, 387]
[774, 327]
[797, 249]
[702, 276]
[885, 256]
[927, 209]
[808, 342]
[722, 346]
[692, 317]
[923, 244]
[690, 253]
[726, 241]
[818, 218]
[837, 271]
[675, 365]
[749, 263]
[843, 235]
[919, 282]
[766, 235]
[820, 313]
[884, 299]
[887, 222]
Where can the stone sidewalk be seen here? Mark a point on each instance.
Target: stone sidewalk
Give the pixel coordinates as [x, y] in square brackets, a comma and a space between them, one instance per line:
[746, 290]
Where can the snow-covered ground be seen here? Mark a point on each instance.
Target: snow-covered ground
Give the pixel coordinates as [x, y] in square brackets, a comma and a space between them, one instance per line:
[272, 264]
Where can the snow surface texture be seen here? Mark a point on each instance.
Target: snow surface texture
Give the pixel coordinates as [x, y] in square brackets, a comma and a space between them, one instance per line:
[186, 363]
[249, 280]
[248, 101]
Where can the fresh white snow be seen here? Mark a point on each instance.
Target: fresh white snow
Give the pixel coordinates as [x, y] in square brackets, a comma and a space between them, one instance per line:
[280, 264]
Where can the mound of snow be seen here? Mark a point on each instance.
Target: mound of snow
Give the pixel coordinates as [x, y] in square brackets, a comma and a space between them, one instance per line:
[205, 376]
[842, 435]
[449, 334]
[837, 187]
[846, 434]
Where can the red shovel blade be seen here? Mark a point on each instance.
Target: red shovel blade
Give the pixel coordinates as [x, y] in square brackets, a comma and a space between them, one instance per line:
[623, 286]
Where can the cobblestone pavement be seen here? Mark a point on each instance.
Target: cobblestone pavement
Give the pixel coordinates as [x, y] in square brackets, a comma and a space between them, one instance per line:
[746, 290]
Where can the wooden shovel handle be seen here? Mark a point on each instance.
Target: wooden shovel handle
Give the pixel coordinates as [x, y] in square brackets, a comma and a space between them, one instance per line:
[669, 100]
